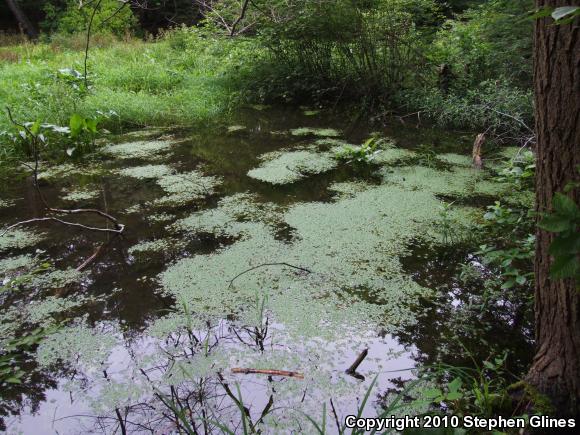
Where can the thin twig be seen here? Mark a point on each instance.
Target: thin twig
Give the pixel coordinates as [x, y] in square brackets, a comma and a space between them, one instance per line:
[284, 373]
[264, 265]
[97, 6]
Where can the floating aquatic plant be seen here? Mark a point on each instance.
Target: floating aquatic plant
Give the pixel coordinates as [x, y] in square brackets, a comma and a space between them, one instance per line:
[4, 203]
[18, 238]
[160, 217]
[236, 215]
[456, 159]
[186, 187]
[81, 195]
[322, 132]
[13, 263]
[139, 149]
[236, 128]
[147, 171]
[288, 167]
[57, 172]
[153, 246]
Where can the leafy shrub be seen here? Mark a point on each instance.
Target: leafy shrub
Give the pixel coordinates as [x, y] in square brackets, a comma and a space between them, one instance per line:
[494, 105]
[487, 42]
[564, 221]
[69, 18]
[360, 154]
[339, 47]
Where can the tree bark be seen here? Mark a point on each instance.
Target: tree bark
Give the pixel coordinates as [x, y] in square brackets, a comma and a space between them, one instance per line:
[22, 19]
[555, 370]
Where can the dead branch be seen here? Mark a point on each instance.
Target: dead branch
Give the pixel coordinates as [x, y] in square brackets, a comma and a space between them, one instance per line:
[284, 373]
[476, 153]
[264, 265]
[72, 224]
[34, 142]
[92, 258]
[358, 361]
[240, 18]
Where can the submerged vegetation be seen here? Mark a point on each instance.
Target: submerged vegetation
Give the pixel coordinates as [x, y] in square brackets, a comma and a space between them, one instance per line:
[271, 197]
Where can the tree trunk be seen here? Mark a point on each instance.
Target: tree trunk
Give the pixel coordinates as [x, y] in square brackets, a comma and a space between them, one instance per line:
[22, 19]
[555, 370]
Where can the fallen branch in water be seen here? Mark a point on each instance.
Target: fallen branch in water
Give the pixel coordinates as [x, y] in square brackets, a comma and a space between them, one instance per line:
[72, 224]
[284, 373]
[35, 143]
[352, 369]
[264, 265]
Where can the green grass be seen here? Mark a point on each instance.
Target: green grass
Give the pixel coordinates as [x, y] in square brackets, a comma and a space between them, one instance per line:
[180, 79]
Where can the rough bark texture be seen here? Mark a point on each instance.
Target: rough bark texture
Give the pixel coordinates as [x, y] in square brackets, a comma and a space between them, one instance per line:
[556, 367]
[22, 19]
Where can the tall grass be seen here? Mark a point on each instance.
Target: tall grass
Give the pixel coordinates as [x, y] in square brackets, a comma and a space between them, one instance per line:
[181, 78]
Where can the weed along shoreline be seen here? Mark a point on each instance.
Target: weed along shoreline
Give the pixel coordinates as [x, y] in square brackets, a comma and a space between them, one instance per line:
[287, 217]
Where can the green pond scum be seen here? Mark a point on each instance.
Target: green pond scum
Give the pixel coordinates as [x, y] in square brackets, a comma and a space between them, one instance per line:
[286, 258]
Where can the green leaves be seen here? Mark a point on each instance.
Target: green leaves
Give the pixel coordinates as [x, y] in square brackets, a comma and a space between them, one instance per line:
[565, 248]
[562, 14]
[565, 12]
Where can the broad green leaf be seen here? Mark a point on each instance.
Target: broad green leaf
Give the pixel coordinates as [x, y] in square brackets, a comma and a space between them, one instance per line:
[76, 124]
[455, 395]
[564, 11]
[564, 205]
[91, 125]
[508, 284]
[35, 128]
[565, 267]
[432, 393]
[565, 244]
[455, 385]
[555, 223]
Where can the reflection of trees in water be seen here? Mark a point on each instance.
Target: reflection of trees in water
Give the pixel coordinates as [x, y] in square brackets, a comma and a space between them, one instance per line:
[198, 404]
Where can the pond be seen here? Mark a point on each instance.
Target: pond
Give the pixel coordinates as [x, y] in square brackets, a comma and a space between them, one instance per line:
[255, 268]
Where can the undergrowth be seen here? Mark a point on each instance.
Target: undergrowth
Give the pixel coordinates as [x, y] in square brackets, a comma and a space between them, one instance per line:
[182, 78]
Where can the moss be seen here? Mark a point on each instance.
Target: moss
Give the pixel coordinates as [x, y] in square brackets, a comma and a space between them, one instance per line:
[138, 149]
[322, 132]
[18, 238]
[288, 167]
[147, 171]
